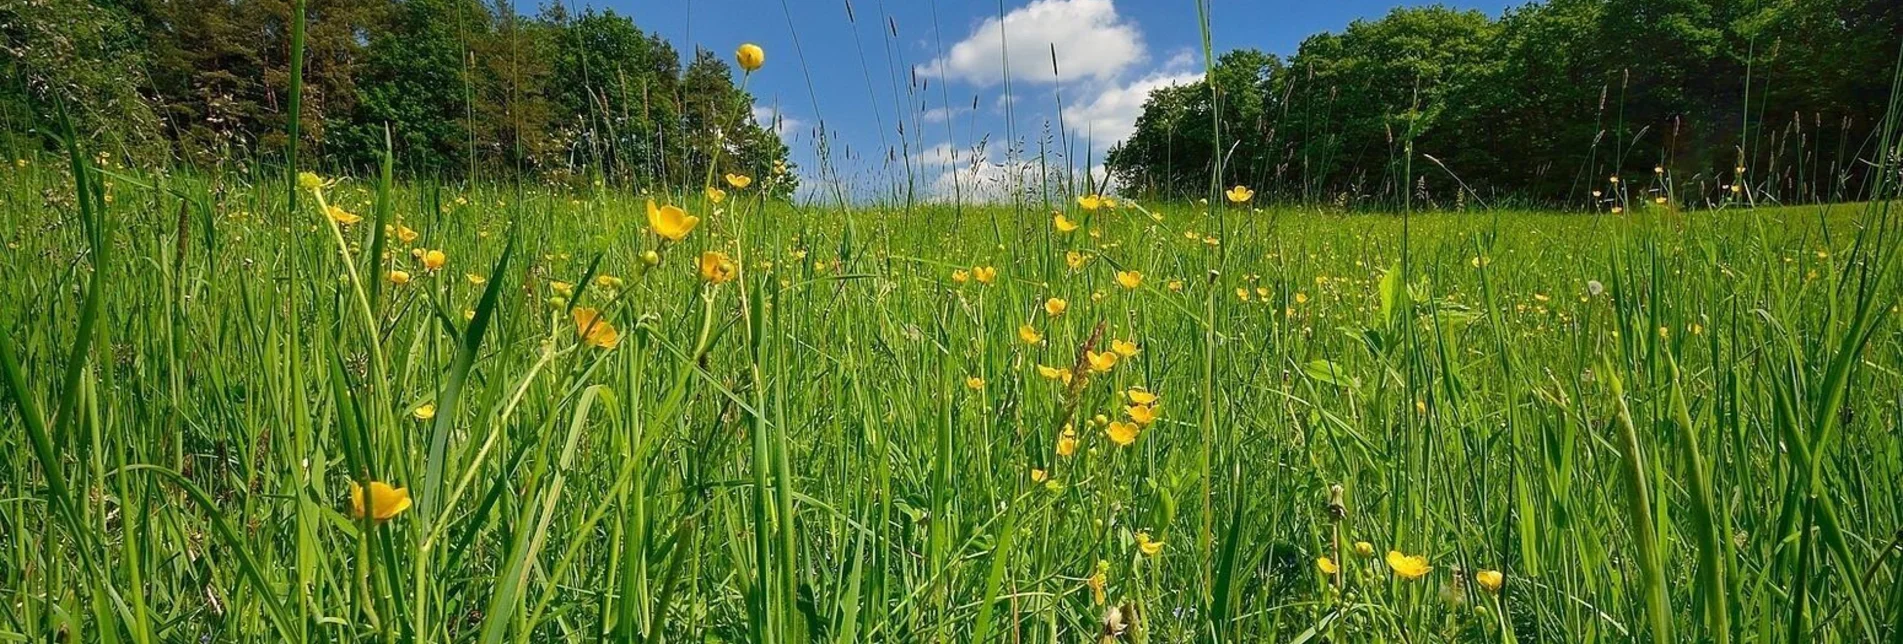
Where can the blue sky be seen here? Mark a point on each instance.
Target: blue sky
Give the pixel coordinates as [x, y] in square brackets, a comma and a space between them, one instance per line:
[856, 78]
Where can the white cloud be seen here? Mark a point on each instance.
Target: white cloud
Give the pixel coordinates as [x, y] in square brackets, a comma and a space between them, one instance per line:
[1112, 115]
[1092, 42]
[781, 124]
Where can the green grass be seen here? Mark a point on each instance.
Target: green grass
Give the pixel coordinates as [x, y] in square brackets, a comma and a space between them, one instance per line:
[1677, 426]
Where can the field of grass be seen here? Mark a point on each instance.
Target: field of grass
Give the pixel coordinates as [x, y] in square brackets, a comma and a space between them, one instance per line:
[880, 424]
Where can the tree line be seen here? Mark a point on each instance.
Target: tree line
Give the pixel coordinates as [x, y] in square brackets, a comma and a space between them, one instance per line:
[459, 87]
[1693, 101]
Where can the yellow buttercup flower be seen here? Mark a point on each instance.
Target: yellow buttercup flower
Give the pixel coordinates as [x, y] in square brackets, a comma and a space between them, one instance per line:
[342, 216]
[1054, 373]
[1075, 259]
[984, 274]
[1140, 396]
[1090, 202]
[1408, 567]
[1364, 548]
[1063, 224]
[1097, 581]
[1029, 334]
[434, 259]
[1327, 566]
[424, 412]
[1122, 433]
[404, 233]
[716, 195]
[1124, 348]
[595, 330]
[609, 282]
[561, 288]
[306, 180]
[739, 181]
[1055, 306]
[670, 222]
[1491, 580]
[1067, 442]
[961, 276]
[399, 277]
[1141, 414]
[1100, 362]
[750, 56]
[716, 268]
[974, 383]
[1148, 546]
[385, 502]
[1129, 279]
[1176, 286]
[1039, 475]
[1239, 194]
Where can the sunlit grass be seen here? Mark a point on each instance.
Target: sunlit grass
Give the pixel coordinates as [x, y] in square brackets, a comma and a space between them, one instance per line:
[781, 424]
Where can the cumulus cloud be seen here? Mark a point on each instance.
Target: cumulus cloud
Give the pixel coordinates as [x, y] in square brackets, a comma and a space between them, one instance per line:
[1092, 41]
[779, 122]
[1111, 116]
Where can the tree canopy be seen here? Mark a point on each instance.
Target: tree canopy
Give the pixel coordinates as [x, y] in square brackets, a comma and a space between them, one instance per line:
[460, 86]
[1547, 102]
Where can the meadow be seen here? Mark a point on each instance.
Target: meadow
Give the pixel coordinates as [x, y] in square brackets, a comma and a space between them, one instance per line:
[587, 415]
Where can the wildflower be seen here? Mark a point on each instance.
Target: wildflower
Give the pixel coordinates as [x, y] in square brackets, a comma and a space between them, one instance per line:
[1239, 194]
[961, 276]
[1658, 169]
[1148, 546]
[1123, 348]
[434, 259]
[399, 277]
[609, 282]
[984, 274]
[716, 268]
[1614, 179]
[716, 195]
[1618, 209]
[1176, 286]
[1098, 579]
[739, 181]
[1075, 259]
[1364, 548]
[1038, 475]
[1067, 442]
[562, 288]
[342, 216]
[670, 222]
[424, 412]
[974, 383]
[404, 233]
[1242, 294]
[750, 56]
[1055, 306]
[1408, 567]
[1141, 414]
[650, 257]
[1491, 580]
[1090, 202]
[1101, 362]
[1129, 279]
[1029, 334]
[1301, 298]
[594, 330]
[385, 501]
[1054, 373]
[1063, 224]
[1122, 433]
[1327, 565]
[1140, 396]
